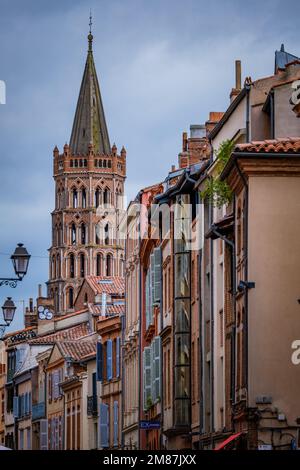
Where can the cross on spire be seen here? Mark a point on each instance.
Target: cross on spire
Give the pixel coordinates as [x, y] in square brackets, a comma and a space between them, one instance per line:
[90, 23]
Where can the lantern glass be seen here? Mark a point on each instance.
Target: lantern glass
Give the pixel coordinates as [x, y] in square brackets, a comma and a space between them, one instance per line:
[20, 260]
[8, 309]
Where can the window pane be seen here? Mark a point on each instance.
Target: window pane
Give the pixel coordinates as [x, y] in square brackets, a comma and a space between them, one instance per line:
[182, 382]
[182, 315]
[182, 349]
[182, 413]
[182, 275]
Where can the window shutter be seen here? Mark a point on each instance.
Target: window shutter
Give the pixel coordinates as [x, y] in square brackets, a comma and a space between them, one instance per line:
[152, 278]
[26, 403]
[43, 434]
[147, 375]
[116, 424]
[22, 405]
[16, 407]
[157, 275]
[99, 362]
[157, 365]
[49, 386]
[29, 403]
[147, 298]
[104, 425]
[152, 361]
[109, 359]
[60, 379]
[118, 357]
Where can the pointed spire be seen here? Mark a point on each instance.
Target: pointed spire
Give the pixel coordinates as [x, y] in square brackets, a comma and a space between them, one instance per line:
[89, 126]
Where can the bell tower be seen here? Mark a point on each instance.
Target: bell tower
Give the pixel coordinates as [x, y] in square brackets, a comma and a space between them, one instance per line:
[89, 180]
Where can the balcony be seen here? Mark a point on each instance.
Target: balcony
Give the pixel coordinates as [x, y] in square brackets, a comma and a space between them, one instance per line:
[92, 406]
[38, 410]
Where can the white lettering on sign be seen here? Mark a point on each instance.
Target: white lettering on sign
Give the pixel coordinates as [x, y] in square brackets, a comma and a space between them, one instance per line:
[296, 354]
[295, 98]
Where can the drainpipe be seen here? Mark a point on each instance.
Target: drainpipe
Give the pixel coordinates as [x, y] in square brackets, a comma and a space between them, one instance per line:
[140, 343]
[122, 377]
[201, 355]
[212, 404]
[248, 113]
[272, 114]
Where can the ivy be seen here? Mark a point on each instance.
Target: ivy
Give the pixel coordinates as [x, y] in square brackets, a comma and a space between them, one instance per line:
[216, 191]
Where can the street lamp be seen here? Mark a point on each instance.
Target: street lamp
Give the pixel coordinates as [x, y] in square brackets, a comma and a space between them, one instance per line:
[8, 309]
[20, 259]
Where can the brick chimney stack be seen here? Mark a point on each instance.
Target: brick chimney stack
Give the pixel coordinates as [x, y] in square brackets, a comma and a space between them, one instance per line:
[238, 81]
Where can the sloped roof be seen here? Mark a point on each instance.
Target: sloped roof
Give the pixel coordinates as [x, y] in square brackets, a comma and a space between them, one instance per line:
[71, 333]
[89, 126]
[110, 309]
[281, 145]
[30, 361]
[78, 350]
[282, 58]
[106, 284]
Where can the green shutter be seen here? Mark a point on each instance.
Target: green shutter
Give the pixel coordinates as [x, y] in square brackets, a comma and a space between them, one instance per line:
[147, 376]
[157, 275]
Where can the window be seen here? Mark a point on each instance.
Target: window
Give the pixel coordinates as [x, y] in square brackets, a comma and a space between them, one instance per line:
[106, 234]
[73, 234]
[152, 372]
[109, 265]
[109, 362]
[98, 265]
[83, 234]
[106, 196]
[83, 198]
[72, 265]
[82, 264]
[97, 197]
[97, 237]
[75, 198]
[71, 298]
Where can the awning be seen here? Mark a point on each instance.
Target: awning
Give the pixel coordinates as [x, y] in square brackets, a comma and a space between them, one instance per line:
[231, 438]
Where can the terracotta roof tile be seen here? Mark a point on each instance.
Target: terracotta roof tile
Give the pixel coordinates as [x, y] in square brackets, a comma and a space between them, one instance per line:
[72, 333]
[109, 285]
[110, 309]
[281, 145]
[78, 350]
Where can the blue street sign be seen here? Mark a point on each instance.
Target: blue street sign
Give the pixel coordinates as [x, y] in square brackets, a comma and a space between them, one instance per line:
[149, 424]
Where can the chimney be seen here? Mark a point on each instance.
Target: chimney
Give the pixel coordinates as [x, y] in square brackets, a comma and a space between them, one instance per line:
[40, 292]
[103, 304]
[184, 141]
[31, 305]
[238, 80]
[173, 167]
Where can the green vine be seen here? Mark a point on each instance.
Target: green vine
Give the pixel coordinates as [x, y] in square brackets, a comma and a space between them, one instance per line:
[216, 191]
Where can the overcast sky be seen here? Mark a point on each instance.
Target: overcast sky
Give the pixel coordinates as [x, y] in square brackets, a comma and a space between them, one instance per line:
[162, 65]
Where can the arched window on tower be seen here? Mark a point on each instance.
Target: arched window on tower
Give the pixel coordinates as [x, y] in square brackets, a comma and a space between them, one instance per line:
[53, 274]
[83, 198]
[98, 264]
[81, 264]
[109, 265]
[97, 234]
[97, 197]
[72, 265]
[106, 234]
[73, 234]
[106, 197]
[70, 297]
[58, 266]
[83, 234]
[56, 300]
[74, 198]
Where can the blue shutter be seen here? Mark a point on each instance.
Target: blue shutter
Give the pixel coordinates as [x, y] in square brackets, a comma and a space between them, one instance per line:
[118, 357]
[43, 434]
[99, 362]
[104, 425]
[109, 359]
[16, 407]
[26, 410]
[116, 424]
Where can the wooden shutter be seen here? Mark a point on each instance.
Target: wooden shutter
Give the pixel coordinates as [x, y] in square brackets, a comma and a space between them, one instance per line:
[118, 356]
[116, 424]
[16, 407]
[49, 386]
[99, 362]
[147, 375]
[30, 402]
[109, 359]
[157, 275]
[152, 279]
[43, 434]
[26, 404]
[157, 365]
[104, 425]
